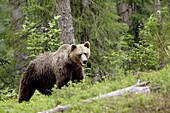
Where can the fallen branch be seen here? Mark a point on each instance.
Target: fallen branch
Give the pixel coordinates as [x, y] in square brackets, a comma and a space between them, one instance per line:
[137, 88]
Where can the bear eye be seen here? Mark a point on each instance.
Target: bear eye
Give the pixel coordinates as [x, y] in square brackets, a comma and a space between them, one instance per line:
[85, 54]
[79, 55]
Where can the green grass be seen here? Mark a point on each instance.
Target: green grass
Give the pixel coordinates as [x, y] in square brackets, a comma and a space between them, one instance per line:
[75, 93]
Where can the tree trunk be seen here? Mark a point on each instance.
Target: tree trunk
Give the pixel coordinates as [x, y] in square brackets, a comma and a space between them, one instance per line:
[124, 10]
[168, 3]
[158, 10]
[65, 22]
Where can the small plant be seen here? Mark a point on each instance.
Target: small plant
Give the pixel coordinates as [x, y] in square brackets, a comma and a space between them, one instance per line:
[40, 40]
[131, 56]
[7, 94]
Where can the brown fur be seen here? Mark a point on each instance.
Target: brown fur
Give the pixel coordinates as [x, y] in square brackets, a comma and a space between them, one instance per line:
[54, 68]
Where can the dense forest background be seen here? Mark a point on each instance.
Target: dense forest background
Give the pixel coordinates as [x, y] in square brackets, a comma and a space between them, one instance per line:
[126, 36]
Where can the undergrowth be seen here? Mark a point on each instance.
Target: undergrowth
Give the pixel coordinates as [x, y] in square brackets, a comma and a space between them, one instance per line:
[75, 93]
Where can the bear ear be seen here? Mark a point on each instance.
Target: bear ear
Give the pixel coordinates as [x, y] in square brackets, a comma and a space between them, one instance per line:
[73, 46]
[87, 44]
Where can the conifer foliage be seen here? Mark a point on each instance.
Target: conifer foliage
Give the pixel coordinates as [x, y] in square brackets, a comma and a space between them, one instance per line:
[29, 28]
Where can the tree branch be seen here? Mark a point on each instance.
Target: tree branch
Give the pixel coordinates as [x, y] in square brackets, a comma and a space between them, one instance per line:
[137, 88]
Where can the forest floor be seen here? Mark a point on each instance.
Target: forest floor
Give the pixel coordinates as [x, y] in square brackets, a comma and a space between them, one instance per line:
[155, 101]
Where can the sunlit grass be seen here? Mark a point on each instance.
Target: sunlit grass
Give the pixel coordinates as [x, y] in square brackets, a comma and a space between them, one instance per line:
[75, 93]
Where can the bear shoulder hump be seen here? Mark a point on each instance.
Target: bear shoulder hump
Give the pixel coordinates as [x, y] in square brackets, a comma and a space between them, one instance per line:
[64, 47]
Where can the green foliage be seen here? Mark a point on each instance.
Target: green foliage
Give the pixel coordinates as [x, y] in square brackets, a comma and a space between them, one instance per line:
[139, 11]
[145, 54]
[76, 93]
[140, 57]
[7, 60]
[5, 14]
[35, 40]
[157, 34]
[42, 39]
[97, 22]
[7, 94]
[7, 63]
[38, 10]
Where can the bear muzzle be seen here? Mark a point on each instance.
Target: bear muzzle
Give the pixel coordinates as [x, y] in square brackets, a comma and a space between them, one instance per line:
[83, 60]
[83, 63]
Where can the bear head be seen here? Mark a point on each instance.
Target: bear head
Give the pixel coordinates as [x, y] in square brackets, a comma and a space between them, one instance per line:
[80, 53]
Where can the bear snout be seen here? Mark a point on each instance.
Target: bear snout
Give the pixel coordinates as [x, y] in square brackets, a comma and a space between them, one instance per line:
[85, 62]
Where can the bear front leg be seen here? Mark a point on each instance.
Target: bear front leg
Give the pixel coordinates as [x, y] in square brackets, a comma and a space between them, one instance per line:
[27, 84]
[25, 93]
[27, 88]
[78, 75]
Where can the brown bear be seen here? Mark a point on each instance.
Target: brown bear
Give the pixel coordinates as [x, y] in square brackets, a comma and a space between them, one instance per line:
[54, 68]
